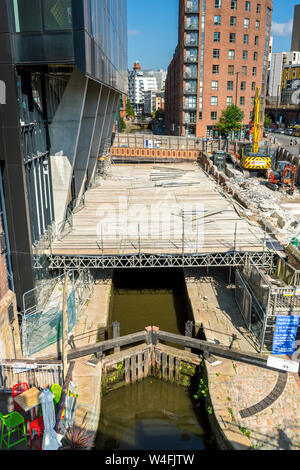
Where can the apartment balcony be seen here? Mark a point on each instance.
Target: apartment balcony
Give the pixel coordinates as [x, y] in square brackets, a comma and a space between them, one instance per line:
[189, 106]
[191, 26]
[189, 91]
[190, 59]
[190, 76]
[191, 42]
[192, 7]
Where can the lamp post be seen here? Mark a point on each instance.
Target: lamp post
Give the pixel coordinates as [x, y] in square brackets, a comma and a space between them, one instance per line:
[236, 93]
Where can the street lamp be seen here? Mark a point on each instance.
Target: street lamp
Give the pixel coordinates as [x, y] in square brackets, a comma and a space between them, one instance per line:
[236, 96]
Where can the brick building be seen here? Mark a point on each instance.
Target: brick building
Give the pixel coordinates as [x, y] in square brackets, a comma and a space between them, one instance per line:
[220, 59]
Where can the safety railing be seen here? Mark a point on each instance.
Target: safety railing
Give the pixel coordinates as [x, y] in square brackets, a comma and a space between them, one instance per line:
[37, 373]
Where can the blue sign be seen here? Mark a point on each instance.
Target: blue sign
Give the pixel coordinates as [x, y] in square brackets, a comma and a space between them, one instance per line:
[285, 334]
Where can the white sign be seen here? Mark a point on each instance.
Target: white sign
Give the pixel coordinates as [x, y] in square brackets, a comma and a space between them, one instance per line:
[283, 364]
[258, 162]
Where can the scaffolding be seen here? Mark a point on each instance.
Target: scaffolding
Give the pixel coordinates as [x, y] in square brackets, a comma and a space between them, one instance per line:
[264, 293]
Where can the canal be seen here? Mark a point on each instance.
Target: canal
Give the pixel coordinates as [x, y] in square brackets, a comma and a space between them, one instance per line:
[152, 414]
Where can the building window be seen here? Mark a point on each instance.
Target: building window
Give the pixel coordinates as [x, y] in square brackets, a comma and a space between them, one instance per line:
[233, 4]
[253, 84]
[217, 36]
[257, 24]
[215, 85]
[230, 85]
[256, 41]
[243, 86]
[254, 71]
[214, 101]
[213, 115]
[255, 56]
[216, 53]
[233, 21]
[244, 70]
[231, 37]
[252, 101]
[246, 38]
[215, 69]
[229, 100]
[246, 23]
[231, 54]
[217, 20]
[218, 3]
[245, 55]
[242, 100]
[230, 69]
[258, 8]
[247, 6]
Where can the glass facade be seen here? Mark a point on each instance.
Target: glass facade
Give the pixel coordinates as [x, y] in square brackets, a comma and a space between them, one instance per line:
[90, 33]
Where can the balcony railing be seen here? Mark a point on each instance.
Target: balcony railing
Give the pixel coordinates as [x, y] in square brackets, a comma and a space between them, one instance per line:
[191, 42]
[189, 106]
[190, 59]
[192, 8]
[189, 75]
[189, 91]
[191, 26]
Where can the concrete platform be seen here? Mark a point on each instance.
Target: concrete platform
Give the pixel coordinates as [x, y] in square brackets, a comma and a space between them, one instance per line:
[165, 209]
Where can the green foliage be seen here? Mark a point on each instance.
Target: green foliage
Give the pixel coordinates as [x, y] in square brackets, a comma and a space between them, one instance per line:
[210, 410]
[202, 390]
[122, 125]
[159, 114]
[129, 109]
[230, 119]
[245, 431]
[267, 121]
[231, 414]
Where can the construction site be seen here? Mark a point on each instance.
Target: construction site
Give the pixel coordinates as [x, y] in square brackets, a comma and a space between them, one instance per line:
[207, 256]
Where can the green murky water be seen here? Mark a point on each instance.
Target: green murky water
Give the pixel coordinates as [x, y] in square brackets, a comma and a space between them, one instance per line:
[152, 414]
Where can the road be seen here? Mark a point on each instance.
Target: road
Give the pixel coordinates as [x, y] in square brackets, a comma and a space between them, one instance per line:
[284, 141]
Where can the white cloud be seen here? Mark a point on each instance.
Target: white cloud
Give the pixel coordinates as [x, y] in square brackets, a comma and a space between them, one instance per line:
[134, 32]
[282, 29]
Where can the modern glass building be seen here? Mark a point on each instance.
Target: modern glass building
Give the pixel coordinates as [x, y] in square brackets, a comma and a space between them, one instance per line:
[63, 65]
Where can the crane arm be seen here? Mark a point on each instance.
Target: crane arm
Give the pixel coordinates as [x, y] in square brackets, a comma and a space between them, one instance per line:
[256, 117]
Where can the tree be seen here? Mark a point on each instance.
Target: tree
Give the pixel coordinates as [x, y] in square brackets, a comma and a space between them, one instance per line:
[267, 121]
[231, 118]
[129, 109]
[122, 125]
[159, 114]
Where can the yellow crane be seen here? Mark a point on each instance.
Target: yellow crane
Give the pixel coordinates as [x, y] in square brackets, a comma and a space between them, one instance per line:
[252, 157]
[256, 117]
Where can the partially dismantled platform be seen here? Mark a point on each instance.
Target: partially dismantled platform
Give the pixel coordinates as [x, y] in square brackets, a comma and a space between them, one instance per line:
[172, 210]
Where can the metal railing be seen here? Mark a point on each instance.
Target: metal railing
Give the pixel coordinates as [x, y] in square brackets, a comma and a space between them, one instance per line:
[38, 373]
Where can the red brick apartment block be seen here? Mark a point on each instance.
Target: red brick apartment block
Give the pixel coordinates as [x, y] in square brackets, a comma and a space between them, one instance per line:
[220, 59]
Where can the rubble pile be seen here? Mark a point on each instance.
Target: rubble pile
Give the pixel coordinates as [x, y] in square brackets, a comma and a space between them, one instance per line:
[264, 202]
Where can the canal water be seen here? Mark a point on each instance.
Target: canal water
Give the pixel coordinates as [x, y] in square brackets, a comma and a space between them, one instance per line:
[152, 414]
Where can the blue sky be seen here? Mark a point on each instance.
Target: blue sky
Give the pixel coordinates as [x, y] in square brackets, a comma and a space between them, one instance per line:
[152, 30]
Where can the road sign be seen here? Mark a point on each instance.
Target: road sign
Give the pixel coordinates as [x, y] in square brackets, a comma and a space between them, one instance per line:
[285, 334]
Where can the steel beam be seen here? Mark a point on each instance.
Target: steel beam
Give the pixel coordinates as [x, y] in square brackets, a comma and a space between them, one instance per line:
[143, 260]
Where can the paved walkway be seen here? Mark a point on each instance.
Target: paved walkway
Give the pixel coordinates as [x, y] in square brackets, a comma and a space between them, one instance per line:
[234, 386]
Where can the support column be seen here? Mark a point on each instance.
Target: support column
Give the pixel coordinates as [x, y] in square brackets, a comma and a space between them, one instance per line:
[87, 129]
[98, 132]
[64, 137]
[109, 119]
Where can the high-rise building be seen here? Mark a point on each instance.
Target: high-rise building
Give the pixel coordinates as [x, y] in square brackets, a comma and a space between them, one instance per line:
[278, 62]
[140, 83]
[221, 57]
[63, 65]
[295, 44]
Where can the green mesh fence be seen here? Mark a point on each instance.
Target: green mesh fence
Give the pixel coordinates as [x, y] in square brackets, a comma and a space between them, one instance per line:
[45, 328]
